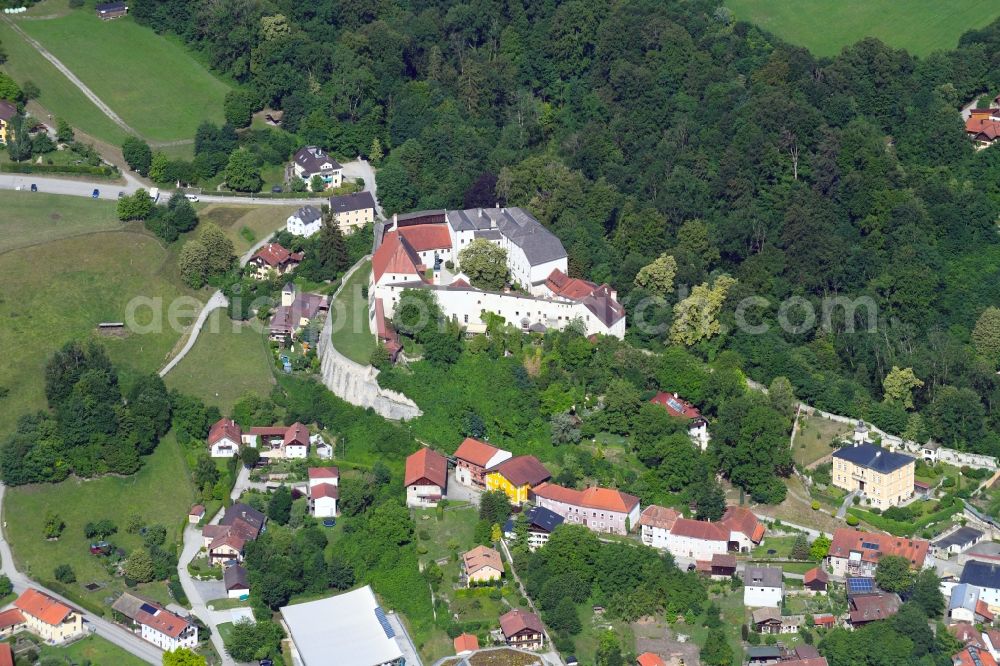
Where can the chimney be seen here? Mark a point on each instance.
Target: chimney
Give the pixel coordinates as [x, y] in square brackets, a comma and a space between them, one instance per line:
[503, 210]
[481, 213]
[394, 219]
[675, 394]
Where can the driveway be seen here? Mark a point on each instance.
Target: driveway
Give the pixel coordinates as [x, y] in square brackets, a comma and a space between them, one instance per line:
[459, 492]
[360, 168]
[842, 511]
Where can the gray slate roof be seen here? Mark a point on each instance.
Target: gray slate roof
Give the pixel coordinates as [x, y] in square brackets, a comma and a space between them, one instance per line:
[351, 202]
[539, 245]
[960, 537]
[312, 159]
[981, 574]
[235, 576]
[873, 457]
[308, 214]
[762, 577]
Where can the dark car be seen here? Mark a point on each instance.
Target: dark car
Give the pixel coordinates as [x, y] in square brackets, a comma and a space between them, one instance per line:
[34, 187]
[266, 662]
[329, 522]
[96, 193]
[276, 189]
[121, 193]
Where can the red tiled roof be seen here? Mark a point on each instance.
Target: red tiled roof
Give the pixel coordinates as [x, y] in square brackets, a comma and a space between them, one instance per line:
[268, 431]
[475, 451]
[983, 126]
[480, 557]
[197, 510]
[563, 285]
[676, 406]
[816, 574]
[984, 610]
[423, 237]
[966, 658]
[466, 643]
[659, 516]
[42, 606]
[297, 434]
[224, 428]
[740, 519]
[394, 255]
[869, 607]
[994, 636]
[825, 620]
[517, 620]
[700, 529]
[595, 497]
[966, 633]
[324, 473]
[163, 621]
[11, 618]
[650, 659]
[275, 255]
[324, 490]
[231, 539]
[846, 540]
[426, 464]
[6, 655]
[523, 471]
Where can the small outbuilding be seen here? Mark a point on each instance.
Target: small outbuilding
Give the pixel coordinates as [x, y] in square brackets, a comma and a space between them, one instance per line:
[111, 10]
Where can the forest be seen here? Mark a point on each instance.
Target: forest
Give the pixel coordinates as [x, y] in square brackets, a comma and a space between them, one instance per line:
[642, 130]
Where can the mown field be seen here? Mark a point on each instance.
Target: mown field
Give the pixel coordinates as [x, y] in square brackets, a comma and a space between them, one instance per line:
[97, 650]
[826, 26]
[152, 82]
[241, 223]
[31, 218]
[351, 336]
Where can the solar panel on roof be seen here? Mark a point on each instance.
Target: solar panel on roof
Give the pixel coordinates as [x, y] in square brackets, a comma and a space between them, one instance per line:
[869, 545]
[149, 609]
[675, 405]
[384, 621]
[860, 585]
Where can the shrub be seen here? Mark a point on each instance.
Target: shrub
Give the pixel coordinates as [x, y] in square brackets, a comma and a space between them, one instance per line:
[856, 501]
[852, 520]
[64, 574]
[815, 505]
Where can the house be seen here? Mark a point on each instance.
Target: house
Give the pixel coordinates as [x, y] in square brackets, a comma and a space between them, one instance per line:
[986, 577]
[196, 513]
[49, 619]
[856, 553]
[324, 451]
[719, 567]
[516, 477]
[650, 659]
[312, 161]
[7, 113]
[922, 490]
[236, 582]
[351, 626]
[966, 606]
[295, 312]
[540, 521]
[352, 211]
[682, 409]
[11, 622]
[816, 579]
[224, 438]
[991, 640]
[306, 221]
[6, 655]
[763, 654]
[465, 644]
[410, 250]
[481, 565]
[225, 541]
[983, 127]
[273, 259]
[111, 10]
[967, 634]
[745, 530]
[697, 539]
[522, 629]
[655, 524]
[599, 509]
[473, 457]
[426, 478]
[762, 586]
[956, 541]
[825, 620]
[769, 620]
[971, 655]
[275, 442]
[864, 608]
[154, 623]
[324, 491]
[884, 477]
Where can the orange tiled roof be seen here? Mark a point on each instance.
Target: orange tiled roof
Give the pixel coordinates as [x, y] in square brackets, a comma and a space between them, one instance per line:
[594, 497]
[973, 656]
[395, 255]
[740, 519]
[873, 546]
[475, 451]
[700, 529]
[426, 464]
[324, 473]
[466, 643]
[42, 606]
[224, 428]
[650, 659]
[6, 654]
[423, 237]
[324, 490]
[659, 516]
[11, 618]
[480, 557]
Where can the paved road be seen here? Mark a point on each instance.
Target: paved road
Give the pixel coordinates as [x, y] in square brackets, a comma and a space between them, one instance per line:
[842, 511]
[113, 633]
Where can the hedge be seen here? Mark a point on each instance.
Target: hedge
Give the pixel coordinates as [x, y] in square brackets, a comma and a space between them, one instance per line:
[899, 528]
[104, 172]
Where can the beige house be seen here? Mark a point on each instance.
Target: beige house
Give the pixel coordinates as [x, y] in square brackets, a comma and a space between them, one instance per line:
[352, 211]
[482, 565]
[883, 477]
[48, 618]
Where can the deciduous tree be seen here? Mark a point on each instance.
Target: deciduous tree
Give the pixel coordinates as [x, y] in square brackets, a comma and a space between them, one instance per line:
[898, 386]
[657, 277]
[696, 317]
[484, 263]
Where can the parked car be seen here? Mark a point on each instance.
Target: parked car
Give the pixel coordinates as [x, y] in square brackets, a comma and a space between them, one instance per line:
[276, 189]
[121, 193]
[191, 197]
[96, 193]
[34, 187]
[100, 548]
[329, 522]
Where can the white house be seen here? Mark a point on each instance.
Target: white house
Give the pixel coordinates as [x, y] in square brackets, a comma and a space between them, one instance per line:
[305, 221]
[312, 161]
[986, 577]
[663, 528]
[322, 450]
[156, 624]
[697, 539]
[426, 478]
[324, 490]
[224, 438]
[762, 586]
[655, 524]
[236, 581]
[964, 605]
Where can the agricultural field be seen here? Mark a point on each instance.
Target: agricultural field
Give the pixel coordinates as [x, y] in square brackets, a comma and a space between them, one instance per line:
[350, 324]
[79, 501]
[826, 26]
[33, 218]
[228, 360]
[157, 87]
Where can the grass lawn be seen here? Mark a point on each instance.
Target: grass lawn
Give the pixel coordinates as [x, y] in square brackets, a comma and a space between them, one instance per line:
[812, 441]
[158, 88]
[350, 318]
[228, 360]
[782, 545]
[31, 218]
[262, 221]
[160, 492]
[826, 26]
[452, 534]
[59, 96]
[98, 650]
[61, 290]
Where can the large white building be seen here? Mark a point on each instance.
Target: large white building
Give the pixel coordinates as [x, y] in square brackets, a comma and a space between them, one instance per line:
[663, 528]
[411, 251]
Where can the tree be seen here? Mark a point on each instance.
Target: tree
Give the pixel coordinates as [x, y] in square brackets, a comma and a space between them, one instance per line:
[495, 533]
[565, 429]
[717, 651]
[250, 457]
[710, 499]
[340, 574]
[782, 395]
[819, 548]
[220, 255]
[332, 257]
[54, 526]
[183, 657]
[158, 166]
[657, 277]
[18, 139]
[136, 206]
[893, 574]
[927, 593]
[64, 131]
[193, 264]
[6, 586]
[239, 107]
[898, 386]
[379, 357]
[564, 618]
[279, 508]
[138, 155]
[696, 317]
[484, 263]
[250, 641]
[139, 566]
[9, 89]
[800, 547]
[494, 507]
[621, 404]
[64, 574]
[30, 91]
[316, 183]
[156, 535]
[375, 153]
[242, 173]
[609, 650]
[986, 335]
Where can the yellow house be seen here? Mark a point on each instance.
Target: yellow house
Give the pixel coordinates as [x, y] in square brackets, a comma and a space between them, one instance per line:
[7, 113]
[482, 565]
[516, 477]
[48, 618]
[884, 477]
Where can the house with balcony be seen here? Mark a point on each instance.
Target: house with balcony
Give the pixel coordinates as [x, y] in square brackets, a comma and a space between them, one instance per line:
[426, 478]
[522, 629]
[154, 623]
[540, 521]
[48, 618]
[312, 161]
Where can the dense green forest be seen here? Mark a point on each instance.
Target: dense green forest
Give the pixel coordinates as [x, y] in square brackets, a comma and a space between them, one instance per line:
[638, 128]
